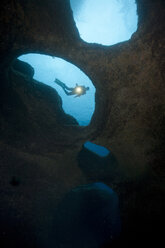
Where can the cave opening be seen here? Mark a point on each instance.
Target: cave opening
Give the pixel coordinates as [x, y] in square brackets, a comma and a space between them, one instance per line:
[51, 70]
[96, 161]
[105, 22]
[99, 150]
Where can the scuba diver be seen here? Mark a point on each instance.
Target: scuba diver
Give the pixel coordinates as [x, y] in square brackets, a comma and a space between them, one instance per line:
[77, 90]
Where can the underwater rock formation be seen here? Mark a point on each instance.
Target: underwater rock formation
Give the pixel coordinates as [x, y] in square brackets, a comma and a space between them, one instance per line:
[128, 120]
[23, 68]
[96, 166]
[31, 111]
[88, 216]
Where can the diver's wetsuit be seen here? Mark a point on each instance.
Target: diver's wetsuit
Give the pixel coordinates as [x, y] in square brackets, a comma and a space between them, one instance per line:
[72, 90]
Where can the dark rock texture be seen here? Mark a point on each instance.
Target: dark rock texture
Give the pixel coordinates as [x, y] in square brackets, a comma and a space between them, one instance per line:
[88, 216]
[23, 67]
[97, 167]
[26, 120]
[129, 120]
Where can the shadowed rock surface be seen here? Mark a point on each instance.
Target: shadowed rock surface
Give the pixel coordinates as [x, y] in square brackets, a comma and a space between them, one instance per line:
[97, 167]
[88, 216]
[23, 68]
[32, 112]
[129, 120]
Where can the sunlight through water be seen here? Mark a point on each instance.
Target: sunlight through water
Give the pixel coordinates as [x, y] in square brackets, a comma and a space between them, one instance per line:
[48, 68]
[106, 22]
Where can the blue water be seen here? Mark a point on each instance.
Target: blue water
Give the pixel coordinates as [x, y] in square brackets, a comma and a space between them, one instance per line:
[48, 68]
[106, 22]
[97, 149]
[101, 21]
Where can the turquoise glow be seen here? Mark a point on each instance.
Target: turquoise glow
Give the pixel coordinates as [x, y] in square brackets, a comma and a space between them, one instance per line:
[106, 22]
[97, 149]
[48, 68]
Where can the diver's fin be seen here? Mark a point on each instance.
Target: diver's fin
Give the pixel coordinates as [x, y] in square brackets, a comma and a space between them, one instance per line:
[57, 81]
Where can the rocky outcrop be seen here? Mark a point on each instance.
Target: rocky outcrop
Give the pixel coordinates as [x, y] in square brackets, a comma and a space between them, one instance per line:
[31, 112]
[23, 68]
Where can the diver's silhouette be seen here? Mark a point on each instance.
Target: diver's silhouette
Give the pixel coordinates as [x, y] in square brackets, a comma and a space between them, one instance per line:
[77, 90]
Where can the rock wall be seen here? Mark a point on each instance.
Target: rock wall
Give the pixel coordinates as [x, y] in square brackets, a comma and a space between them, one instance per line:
[129, 120]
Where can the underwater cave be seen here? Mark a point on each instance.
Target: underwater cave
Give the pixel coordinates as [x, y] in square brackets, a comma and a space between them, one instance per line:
[58, 188]
[105, 22]
[48, 68]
